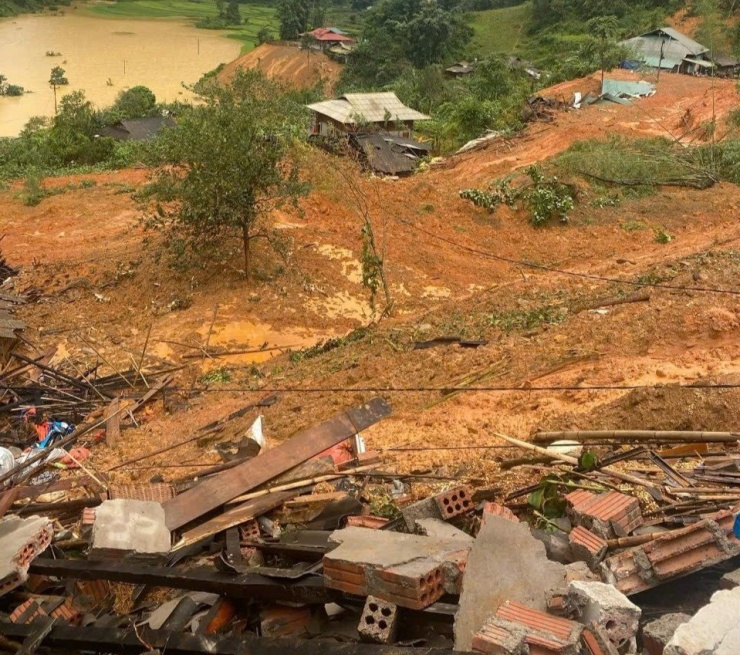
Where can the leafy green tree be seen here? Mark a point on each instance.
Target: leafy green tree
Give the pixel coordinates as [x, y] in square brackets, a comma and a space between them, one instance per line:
[73, 134]
[713, 30]
[57, 78]
[298, 16]
[9, 89]
[232, 15]
[601, 45]
[227, 166]
[264, 35]
[136, 102]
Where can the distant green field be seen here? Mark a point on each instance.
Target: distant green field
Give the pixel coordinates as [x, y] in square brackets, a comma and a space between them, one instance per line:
[256, 15]
[500, 30]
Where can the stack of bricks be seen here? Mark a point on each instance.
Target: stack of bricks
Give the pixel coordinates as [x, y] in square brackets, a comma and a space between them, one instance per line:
[673, 555]
[608, 515]
[21, 540]
[586, 546]
[516, 629]
[415, 585]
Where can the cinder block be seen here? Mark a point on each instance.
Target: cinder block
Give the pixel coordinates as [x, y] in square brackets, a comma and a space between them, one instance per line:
[130, 528]
[379, 621]
[603, 604]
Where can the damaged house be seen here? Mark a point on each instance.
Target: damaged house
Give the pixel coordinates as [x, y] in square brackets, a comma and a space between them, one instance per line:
[379, 125]
[668, 49]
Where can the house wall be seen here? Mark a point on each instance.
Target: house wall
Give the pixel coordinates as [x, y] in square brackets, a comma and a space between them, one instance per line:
[325, 126]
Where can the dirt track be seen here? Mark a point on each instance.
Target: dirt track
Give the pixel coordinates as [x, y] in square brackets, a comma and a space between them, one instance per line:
[87, 242]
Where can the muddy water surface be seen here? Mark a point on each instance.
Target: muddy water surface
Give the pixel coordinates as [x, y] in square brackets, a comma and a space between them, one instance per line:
[161, 54]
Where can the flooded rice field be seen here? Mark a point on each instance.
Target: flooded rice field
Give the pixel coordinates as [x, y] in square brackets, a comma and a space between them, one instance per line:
[101, 56]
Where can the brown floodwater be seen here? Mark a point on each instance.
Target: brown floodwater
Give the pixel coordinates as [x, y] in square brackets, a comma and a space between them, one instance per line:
[101, 56]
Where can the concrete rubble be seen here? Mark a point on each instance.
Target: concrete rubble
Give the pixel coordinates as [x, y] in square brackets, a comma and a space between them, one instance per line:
[657, 633]
[602, 604]
[506, 564]
[21, 540]
[713, 630]
[125, 528]
[379, 621]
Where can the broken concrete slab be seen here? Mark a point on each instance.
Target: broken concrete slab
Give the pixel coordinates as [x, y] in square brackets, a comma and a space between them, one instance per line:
[557, 546]
[505, 563]
[21, 540]
[730, 580]
[409, 570]
[439, 529]
[596, 602]
[126, 528]
[713, 630]
[656, 634]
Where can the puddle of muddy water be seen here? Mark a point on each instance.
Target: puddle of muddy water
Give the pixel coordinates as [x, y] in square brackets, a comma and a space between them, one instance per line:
[161, 54]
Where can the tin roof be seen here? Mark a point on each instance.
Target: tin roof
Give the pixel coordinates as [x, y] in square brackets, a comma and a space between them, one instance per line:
[665, 43]
[354, 108]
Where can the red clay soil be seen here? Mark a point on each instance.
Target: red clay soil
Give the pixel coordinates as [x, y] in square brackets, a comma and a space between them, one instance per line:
[101, 288]
[288, 64]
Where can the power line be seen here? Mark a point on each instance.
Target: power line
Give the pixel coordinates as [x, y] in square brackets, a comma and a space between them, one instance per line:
[448, 390]
[559, 271]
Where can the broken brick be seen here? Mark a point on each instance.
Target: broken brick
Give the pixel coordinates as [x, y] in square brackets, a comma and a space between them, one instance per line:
[454, 502]
[610, 514]
[250, 531]
[366, 521]
[285, 621]
[586, 546]
[21, 541]
[491, 508]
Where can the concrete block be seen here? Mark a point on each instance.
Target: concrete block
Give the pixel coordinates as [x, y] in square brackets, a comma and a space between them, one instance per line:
[713, 630]
[439, 529]
[596, 602]
[379, 621]
[505, 563]
[656, 634]
[424, 509]
[579, 571]
[21, 541]
[130, 528]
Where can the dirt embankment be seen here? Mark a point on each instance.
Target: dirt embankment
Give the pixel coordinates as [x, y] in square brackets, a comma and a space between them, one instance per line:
[83, 252]
[294, 67]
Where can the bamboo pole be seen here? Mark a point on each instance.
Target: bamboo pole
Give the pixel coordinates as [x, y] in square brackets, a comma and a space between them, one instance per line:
[625, 477]
[674, 436]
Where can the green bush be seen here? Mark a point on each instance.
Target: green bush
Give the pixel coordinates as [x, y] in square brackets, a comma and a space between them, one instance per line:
[33, 190]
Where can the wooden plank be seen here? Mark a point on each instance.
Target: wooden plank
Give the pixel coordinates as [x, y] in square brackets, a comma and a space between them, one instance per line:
[113, 422]
[221, 488]
[7, 499]
[40, 627]
[251, 509]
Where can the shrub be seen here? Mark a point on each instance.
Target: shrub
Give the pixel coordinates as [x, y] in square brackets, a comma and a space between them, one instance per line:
[33, 190]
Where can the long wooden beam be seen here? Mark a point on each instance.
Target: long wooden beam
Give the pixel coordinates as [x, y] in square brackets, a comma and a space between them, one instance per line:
[222, 488]
[124, 641]
[656, 436]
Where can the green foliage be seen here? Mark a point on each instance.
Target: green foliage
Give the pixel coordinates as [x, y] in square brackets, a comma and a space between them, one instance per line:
[220, 375]
[524, 320]
[10, 89]
[547, 498]
[544, 198]
[136, 102]
[372, 263]
[403, 33]
[661, 236]
[33, 190]
[298, 16]
[57, 77]
[329, 345]
[227, 165]
[633, 226]
[15, 7]
[265, 35]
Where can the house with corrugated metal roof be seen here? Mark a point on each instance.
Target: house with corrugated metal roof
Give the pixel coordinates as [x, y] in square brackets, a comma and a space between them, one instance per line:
[668, 49]
[363, 112]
